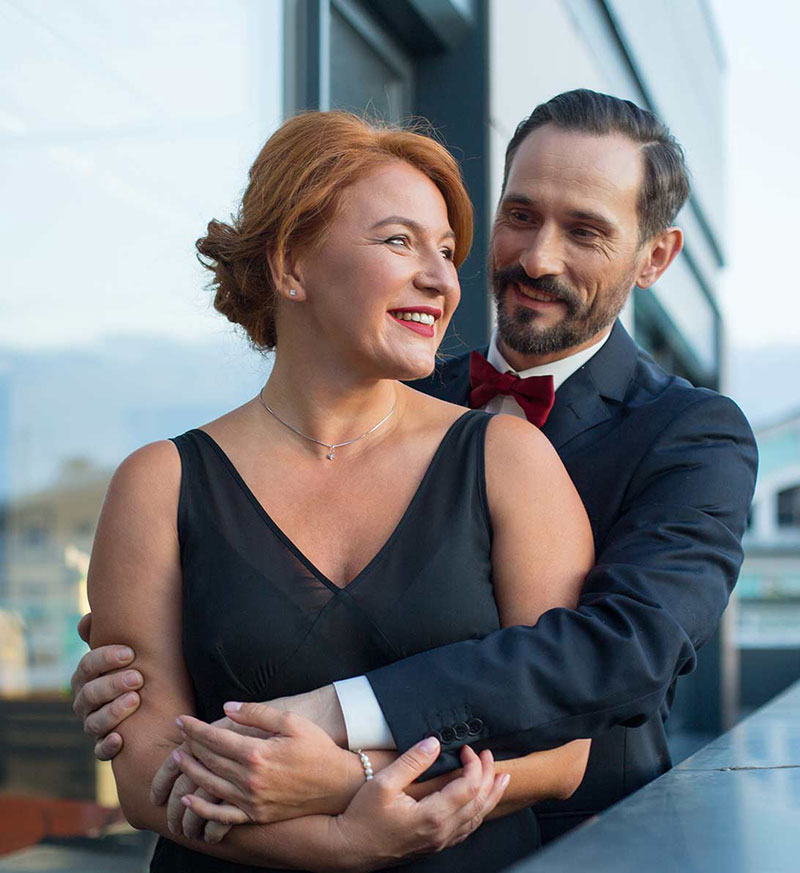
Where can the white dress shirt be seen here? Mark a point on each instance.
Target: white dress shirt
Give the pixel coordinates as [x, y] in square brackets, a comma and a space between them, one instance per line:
[363, 718]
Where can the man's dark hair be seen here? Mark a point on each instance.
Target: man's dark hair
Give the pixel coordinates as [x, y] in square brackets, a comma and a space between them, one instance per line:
[666, 177]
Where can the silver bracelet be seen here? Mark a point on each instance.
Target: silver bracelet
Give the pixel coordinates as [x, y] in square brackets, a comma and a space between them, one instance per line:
[365, 763]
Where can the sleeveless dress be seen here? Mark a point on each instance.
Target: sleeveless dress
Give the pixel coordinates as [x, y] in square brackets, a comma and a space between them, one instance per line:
[260, 621]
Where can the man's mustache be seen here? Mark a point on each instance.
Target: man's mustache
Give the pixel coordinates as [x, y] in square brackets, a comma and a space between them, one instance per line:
[546, 284]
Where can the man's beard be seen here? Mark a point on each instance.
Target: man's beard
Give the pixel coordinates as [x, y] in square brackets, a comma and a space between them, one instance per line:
[517, 326]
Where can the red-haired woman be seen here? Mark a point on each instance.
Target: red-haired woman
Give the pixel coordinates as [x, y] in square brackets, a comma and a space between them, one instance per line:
[339, 520]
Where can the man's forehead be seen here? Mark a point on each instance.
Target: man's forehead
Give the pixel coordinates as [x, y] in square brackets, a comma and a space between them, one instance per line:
[609, 164]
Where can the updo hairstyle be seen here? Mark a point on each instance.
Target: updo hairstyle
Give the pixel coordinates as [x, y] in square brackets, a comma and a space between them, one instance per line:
[294, 190]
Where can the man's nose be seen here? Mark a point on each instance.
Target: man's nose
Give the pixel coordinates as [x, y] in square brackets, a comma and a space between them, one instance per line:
[542, 256]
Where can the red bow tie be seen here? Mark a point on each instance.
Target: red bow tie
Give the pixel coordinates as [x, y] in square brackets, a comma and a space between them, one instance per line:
[535, 394]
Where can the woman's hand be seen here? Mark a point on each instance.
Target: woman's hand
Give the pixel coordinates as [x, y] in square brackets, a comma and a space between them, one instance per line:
[298, 771]
[383, 824]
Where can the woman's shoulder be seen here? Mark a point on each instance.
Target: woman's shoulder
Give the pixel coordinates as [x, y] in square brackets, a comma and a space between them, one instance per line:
[512, 440]
[150, 474]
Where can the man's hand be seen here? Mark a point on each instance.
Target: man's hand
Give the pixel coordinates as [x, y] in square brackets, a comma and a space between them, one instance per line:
[105, 693]
[320, 706]
[297, 771]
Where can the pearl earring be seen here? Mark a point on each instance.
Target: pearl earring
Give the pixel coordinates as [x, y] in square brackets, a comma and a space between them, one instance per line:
[293, 292]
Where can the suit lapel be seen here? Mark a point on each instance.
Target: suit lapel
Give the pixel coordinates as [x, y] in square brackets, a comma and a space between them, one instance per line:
[585, 400]
[590, 395]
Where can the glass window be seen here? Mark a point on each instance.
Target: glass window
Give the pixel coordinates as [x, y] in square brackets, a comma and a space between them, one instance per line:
[368, 73]
[789, 507]
[128, 127]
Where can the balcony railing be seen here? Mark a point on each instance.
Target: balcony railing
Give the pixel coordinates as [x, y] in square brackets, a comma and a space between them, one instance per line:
[733, 807]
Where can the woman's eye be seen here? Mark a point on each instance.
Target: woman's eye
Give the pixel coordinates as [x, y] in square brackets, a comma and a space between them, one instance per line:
[397, 240]
[449, 254]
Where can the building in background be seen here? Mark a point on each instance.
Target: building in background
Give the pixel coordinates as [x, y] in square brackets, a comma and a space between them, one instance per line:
[131, 125]
[768, 603]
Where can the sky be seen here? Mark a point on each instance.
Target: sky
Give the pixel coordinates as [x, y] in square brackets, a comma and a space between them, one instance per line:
[116, 123]
[759, 290]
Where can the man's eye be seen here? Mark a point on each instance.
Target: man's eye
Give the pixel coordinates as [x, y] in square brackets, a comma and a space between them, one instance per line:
[585, 233]
[519, 215]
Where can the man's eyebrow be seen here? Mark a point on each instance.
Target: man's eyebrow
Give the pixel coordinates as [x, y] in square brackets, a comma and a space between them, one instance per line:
[597, 218]
[410, 223]
[593, 218]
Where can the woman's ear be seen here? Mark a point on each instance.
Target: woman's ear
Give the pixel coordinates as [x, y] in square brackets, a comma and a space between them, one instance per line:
[286, 277]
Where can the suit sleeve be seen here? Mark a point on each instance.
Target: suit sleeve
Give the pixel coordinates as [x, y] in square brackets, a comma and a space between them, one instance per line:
[662, 580]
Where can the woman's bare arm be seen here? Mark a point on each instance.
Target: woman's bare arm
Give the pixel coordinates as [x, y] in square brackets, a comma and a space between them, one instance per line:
[542, 550]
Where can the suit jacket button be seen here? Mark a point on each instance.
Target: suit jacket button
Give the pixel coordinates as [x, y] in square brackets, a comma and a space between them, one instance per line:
[436, 734]
[447, 734]
[461, 730]
[474, 726]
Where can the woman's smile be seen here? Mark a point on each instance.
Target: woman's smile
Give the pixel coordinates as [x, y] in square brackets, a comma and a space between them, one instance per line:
[420, 319]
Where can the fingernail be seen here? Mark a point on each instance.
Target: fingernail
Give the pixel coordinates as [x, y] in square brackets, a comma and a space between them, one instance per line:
[186, 800]
[132, 679]
[179, 722]
[504, 780]
[176, 756]
[232, 706]
[429, 745]
[124, 653]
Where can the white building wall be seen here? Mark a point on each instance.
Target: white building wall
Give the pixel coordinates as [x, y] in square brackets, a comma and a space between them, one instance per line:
[540, 48]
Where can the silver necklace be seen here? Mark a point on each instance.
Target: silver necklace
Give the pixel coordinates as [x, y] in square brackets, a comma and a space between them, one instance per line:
[331, 447]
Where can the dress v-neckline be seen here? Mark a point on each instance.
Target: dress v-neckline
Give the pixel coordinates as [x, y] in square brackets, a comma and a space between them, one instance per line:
[267, 518]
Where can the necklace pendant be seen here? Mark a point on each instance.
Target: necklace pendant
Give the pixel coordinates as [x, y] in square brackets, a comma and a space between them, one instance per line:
[331, 453]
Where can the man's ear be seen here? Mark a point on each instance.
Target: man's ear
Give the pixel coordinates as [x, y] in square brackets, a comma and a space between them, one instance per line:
[660, 252]
[286, 277]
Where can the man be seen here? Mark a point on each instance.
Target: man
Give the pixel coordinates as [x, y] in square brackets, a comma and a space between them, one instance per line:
[592, 186]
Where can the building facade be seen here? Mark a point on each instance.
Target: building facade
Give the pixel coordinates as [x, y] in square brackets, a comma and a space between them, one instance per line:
[768, 603]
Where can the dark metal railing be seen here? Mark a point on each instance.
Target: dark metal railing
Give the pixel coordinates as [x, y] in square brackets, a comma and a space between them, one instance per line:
[733, 807]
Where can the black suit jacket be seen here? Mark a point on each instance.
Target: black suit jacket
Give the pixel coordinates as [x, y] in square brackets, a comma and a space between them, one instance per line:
[666, 472]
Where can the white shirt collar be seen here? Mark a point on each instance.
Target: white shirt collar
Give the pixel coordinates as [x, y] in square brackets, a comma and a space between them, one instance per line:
[560, 370]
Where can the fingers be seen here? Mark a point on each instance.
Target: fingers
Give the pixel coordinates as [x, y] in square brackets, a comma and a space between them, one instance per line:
[410, 765]
[208, 781]
[262, 716]
[162, 783]
[221, 750]
[101, 716]
[215, 831]
[98, 661]
[224, 813]
[193, 824]
[483, 797]
[175, 808]
[85, 627]
[108, 747]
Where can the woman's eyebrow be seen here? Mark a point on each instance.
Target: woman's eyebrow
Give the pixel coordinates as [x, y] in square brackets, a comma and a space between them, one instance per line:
[409, 223]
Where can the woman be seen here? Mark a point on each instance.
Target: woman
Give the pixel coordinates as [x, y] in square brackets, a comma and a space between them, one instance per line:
[338, 520]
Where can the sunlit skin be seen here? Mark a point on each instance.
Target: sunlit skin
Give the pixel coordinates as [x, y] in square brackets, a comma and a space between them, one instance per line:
[389, 247]
[568, 221]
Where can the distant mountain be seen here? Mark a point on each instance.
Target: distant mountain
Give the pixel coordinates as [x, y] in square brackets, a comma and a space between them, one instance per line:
[765, 381]
[102, 401]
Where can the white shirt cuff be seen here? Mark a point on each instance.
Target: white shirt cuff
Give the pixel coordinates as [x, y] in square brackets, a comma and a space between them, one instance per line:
[363, 718]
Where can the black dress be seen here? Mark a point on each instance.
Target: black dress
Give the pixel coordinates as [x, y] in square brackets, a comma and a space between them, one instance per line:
[260, 621]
